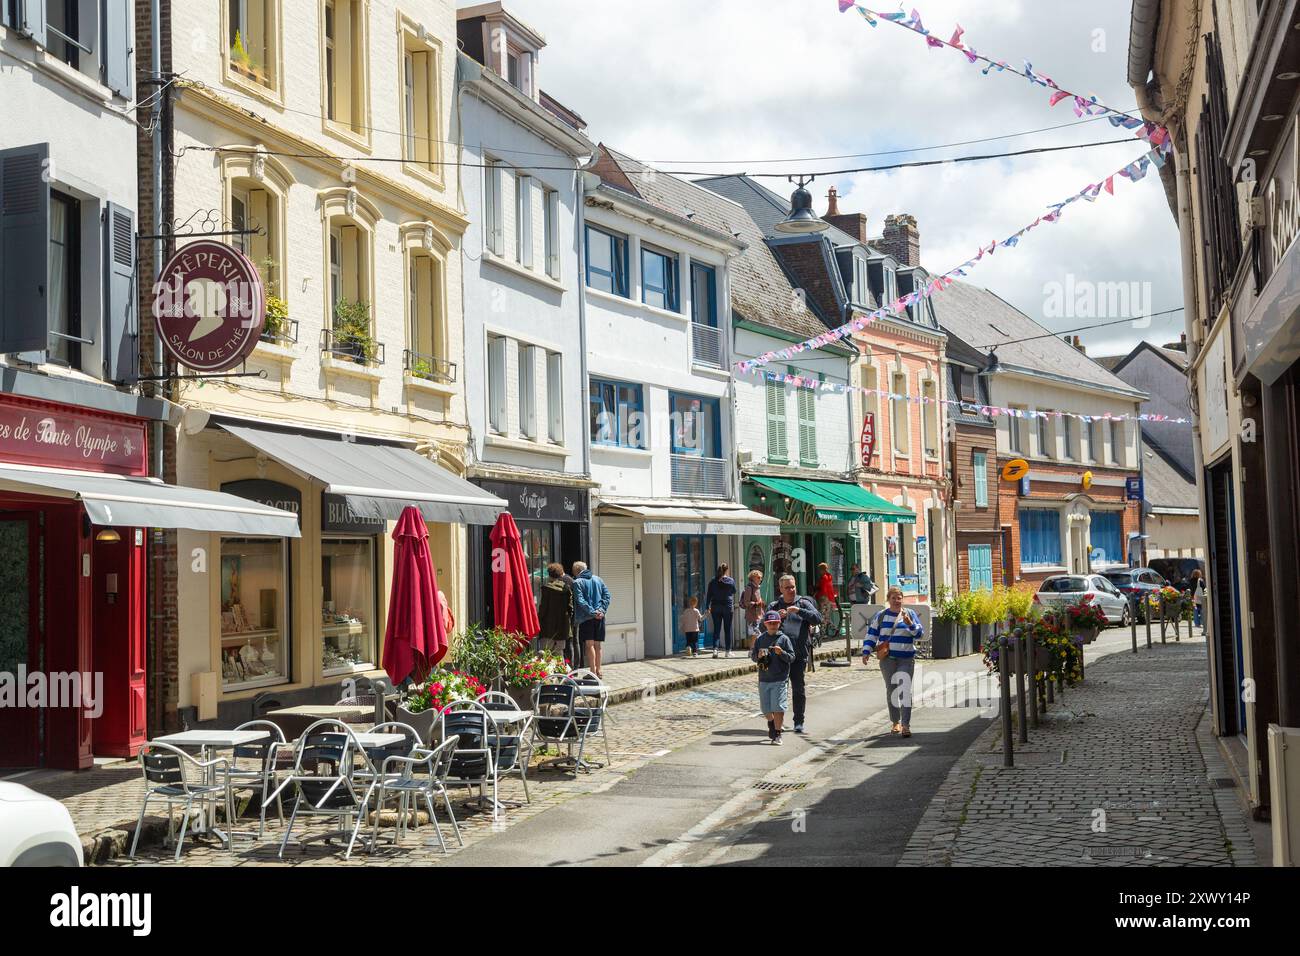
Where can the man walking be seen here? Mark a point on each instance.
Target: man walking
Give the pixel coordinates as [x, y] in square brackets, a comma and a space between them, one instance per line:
[895, 630]
[590, 602]
[798, 616]
[861, 587]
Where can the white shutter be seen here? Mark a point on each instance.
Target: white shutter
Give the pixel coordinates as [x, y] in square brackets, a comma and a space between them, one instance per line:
[776, 427]
[617, 568]
[555, 397]
[528, 391]
[496, 371]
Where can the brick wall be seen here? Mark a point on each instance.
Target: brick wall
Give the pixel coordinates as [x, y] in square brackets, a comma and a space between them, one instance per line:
[807, 264]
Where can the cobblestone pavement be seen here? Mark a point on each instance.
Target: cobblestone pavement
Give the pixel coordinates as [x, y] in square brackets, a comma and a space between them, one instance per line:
[650, 726]
[1115, 776]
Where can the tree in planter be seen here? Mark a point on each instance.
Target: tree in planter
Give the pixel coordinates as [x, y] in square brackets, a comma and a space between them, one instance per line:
[352, 331]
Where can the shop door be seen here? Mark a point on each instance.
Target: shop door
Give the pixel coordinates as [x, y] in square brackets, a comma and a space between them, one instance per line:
[538, 541]
[21, 736]
[694, 561]
[1223, 599]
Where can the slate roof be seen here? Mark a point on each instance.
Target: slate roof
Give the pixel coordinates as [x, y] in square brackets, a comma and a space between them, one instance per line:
[761, 291]
[1162, 374]
[1163, 484]
[981, 318]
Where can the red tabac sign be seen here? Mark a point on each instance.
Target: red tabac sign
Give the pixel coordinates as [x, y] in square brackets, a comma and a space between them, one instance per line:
[209, 306]
[59, 436]
[868, 438]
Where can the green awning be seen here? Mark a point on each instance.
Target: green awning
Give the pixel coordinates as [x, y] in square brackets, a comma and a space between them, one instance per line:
[838, 500]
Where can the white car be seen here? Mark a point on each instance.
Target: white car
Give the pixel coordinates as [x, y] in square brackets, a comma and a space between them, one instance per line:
[36, 830]
[1062, 590]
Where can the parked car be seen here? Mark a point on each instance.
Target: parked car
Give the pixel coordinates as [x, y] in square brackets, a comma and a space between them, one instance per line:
[1138, 582]
[36, 830]
[1178, 571]
[1063, 590]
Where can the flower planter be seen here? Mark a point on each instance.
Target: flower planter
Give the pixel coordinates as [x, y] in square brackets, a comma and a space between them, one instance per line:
[522, 695]
[1085, 635]
[966, 641]
[420, 721]
[1042, 659]
[943, 640]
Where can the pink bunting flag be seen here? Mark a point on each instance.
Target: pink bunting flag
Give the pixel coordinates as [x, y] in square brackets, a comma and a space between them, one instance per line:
[1110, 184]
[956, 37]
[1057, 97]
[845, 4]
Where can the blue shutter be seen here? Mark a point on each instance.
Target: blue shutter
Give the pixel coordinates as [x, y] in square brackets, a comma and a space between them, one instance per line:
[116, 18]
[1040, 536]
[981, 480]
[1106, 533]
[980, 557]
[120, 335]
[24, 248]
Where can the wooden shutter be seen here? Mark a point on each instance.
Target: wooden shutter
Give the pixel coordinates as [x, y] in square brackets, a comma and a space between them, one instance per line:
[120, 334]
[777, 450]
[807, 408]
[981, 480]
[116, 17]
[617, 568]
[24, 248]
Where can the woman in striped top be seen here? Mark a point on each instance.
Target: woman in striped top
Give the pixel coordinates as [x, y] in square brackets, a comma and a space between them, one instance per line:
[896, 629]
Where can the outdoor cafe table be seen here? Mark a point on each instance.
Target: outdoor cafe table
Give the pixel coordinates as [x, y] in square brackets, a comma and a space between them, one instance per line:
[208, 742]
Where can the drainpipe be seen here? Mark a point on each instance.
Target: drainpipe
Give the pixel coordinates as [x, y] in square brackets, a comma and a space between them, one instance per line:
[579, 225]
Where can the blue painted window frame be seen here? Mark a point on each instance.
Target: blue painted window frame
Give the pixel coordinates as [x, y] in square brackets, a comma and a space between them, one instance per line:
[669, 288]
[1040, 537]
[709, 314]
[715, 447]
[617, 246]
[619, 400]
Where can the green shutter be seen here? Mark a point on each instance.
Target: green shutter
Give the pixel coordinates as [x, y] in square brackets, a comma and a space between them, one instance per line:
[807, 426]
[981, 480]
[776, 436]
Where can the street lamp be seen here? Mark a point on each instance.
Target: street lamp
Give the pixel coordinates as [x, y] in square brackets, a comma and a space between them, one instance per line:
[802, 220]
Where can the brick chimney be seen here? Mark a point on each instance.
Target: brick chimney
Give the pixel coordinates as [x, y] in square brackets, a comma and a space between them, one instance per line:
[902, 239]
[1078, 344]
[854, 223]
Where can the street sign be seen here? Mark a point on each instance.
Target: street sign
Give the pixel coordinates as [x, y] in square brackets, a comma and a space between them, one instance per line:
[868, 438]
[1133, 488]
[1015, 469]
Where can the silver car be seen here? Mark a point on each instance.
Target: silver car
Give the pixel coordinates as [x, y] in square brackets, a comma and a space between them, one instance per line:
[1063, 590]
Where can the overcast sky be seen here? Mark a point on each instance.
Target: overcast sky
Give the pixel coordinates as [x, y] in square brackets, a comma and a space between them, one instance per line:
[725, 85]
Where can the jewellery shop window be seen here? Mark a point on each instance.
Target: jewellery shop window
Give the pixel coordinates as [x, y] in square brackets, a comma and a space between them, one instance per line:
[254, 648]
[347, 604]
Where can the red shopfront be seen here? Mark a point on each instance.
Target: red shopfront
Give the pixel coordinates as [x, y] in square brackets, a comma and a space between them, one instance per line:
[75, 501]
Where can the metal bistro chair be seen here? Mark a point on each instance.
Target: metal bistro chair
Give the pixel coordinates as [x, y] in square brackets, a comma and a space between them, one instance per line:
[324, 775]
[556, 720]
[475, 760]
[514, 752]
[378, 755]
[596, 717]
[422, 774]
[169, 775]
[271, 760]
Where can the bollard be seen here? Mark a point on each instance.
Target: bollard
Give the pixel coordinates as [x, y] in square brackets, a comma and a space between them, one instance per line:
[1008, 755]
[1177, 622]
[1162, 619]
[1146, 617]
[1133, 621]
[1020, 691]
[1033, 681]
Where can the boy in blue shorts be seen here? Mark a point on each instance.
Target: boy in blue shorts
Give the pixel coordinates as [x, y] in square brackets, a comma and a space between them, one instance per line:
[774, 655]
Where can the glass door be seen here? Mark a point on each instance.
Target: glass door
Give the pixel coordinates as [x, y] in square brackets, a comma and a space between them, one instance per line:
[694, 561]
[20, 574]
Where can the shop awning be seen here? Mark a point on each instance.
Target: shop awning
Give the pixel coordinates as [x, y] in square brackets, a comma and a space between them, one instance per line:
[838, 500]
[148, 503]
[377, 481]
[674, 516]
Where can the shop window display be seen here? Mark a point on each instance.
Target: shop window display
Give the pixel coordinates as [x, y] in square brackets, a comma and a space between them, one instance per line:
[253, 601]
[347, 604]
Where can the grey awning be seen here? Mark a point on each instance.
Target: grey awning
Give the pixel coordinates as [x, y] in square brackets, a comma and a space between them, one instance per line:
[378, 481]
[148, 503]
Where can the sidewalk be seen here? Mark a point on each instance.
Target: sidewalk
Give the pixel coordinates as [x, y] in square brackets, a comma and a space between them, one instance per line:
[1123, 772]
[96, 798]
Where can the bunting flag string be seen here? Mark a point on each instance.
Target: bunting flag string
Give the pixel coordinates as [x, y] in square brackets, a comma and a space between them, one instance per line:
[990, 411]
[1089, 105]
[1133, 172]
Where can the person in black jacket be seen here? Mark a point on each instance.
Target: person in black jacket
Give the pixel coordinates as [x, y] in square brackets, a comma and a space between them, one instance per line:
[555, 611]
[720, 601]
[798, 615]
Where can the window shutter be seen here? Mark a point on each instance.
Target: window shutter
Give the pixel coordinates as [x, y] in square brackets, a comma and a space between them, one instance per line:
[496, 369]
[116, 17]
[807, 426]
[776, 433]
[618, 571]
[24, 248]
[121, 332]
[555, 396]
[31, 19]
[524, 204]
[981, 480]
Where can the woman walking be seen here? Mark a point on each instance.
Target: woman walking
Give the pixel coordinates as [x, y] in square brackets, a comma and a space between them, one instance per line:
[720, 601]
[752, 603]
[1198, 599]
[892, 637]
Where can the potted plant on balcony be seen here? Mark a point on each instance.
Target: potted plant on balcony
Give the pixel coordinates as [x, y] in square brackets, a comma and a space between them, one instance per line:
[352, 338]
[277, 319]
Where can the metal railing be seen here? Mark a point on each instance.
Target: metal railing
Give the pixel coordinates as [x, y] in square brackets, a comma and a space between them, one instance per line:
[428, 367]
[706, 346]
[287, 335]
[362, 353]
[694, 476]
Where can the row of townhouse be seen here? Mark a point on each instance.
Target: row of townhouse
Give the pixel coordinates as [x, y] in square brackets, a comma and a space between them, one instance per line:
[473, 308]
[1229, 101]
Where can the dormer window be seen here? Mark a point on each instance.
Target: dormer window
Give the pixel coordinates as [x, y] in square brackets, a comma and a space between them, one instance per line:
[519, 70]
[861, 293]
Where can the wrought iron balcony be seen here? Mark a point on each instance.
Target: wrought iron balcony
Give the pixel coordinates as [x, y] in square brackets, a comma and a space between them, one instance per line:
[286, 335]
[694, 476]
[351, 349]
[429, 367]
[706, 345]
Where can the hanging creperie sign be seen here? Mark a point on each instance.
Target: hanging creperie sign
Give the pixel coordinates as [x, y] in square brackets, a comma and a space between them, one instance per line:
[209, 306]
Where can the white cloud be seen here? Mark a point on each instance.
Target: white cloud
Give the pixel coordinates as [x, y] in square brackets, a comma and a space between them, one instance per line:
[725, 85]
